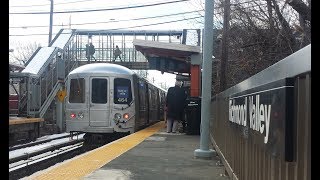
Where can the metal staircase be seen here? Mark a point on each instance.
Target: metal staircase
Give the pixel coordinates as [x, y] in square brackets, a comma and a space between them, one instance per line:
[45, 74]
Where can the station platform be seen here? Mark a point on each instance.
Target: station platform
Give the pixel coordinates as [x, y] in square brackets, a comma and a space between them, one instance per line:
[149, 154]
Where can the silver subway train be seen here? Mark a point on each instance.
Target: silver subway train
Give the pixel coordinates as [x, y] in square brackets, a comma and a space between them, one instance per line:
[104, 98]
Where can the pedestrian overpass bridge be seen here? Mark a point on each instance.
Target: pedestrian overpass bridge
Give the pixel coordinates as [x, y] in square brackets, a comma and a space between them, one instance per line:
[45, 72]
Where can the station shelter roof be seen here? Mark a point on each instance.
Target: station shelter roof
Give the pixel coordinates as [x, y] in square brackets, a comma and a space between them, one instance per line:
[167, 57]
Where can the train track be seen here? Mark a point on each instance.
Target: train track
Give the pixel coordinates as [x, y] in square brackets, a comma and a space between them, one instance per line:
[25, 164]
[21, 146]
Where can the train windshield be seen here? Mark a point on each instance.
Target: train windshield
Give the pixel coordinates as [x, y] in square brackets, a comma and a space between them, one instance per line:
[122, 88]
[77, 88]
[99, 91]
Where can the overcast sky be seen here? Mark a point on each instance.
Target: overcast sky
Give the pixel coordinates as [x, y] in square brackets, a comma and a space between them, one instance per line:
[23, 24]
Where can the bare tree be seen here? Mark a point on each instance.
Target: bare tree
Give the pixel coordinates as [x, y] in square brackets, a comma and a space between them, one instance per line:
[224, 45]
[261, 33]
[23, 52]
[301, 8]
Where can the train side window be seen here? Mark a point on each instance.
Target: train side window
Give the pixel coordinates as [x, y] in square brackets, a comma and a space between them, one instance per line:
[122, 88]
[142, 94]
[99, 90]
[77, 88]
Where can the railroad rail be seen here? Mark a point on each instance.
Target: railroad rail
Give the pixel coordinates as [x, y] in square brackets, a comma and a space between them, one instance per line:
[27, 163]
[41, 142]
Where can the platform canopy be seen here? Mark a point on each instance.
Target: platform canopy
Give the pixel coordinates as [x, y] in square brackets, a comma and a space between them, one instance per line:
[167, 57]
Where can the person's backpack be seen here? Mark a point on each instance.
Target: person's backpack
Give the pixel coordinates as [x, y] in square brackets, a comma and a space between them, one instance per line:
[92, 49]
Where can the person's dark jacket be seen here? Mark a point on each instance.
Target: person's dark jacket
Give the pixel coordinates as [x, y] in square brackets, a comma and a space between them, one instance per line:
[175, 102]
[92, 49]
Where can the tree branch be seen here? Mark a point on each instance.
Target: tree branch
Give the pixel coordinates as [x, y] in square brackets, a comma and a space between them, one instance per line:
[301, 8]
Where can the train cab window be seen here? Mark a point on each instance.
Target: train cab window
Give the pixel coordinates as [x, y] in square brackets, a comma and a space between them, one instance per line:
[77, 91]
[122, 91]
[99, 89]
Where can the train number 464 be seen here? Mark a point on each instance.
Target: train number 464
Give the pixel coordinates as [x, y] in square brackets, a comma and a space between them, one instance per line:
[122, 99]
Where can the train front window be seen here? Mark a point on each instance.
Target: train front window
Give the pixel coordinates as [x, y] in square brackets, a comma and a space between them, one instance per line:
[122, 88]
[76, 94]
[99, 90]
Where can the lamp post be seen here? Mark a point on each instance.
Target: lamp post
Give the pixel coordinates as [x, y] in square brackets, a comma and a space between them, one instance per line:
[51, 19]
[204, 152]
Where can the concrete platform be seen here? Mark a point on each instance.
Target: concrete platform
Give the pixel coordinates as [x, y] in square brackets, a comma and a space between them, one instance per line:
[162, 156]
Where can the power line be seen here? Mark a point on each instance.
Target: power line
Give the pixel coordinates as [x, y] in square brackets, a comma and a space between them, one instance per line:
[123, 27]
[160, 23]
[108, 9]
[32, 34]
[135, 19]
[49, 4]
[94, 0]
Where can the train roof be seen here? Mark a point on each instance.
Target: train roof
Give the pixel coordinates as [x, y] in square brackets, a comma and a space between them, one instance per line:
[162, 89]
[102, 68]
[149, 82]
[110, 69]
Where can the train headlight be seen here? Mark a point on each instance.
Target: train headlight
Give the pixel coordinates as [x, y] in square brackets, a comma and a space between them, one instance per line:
[126, 116]
[117, 116]
[80, 115]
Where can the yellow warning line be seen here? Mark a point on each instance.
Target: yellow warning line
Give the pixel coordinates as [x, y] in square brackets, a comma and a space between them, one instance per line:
[89, 162]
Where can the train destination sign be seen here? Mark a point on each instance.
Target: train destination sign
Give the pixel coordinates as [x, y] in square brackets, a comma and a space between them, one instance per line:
[122, 93]
[264, 115]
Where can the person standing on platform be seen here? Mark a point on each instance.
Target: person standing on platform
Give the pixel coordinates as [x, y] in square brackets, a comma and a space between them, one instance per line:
[175, 102]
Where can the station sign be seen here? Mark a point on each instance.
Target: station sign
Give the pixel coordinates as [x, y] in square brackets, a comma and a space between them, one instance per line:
[168, 65]
[265, 115]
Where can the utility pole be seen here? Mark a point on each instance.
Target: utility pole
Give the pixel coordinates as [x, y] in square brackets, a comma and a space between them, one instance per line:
[51, 19]
[224, 46]
[70, 22]
[204, 152]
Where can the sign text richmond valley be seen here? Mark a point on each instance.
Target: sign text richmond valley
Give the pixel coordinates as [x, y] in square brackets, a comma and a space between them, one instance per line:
[259, 114]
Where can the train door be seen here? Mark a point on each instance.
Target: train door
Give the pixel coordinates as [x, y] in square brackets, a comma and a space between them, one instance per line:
[142, 103]
[148, 114]
[99, 102]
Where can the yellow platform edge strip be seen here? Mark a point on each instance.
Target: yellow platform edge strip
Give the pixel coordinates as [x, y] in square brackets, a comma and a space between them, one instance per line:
[85, 164]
